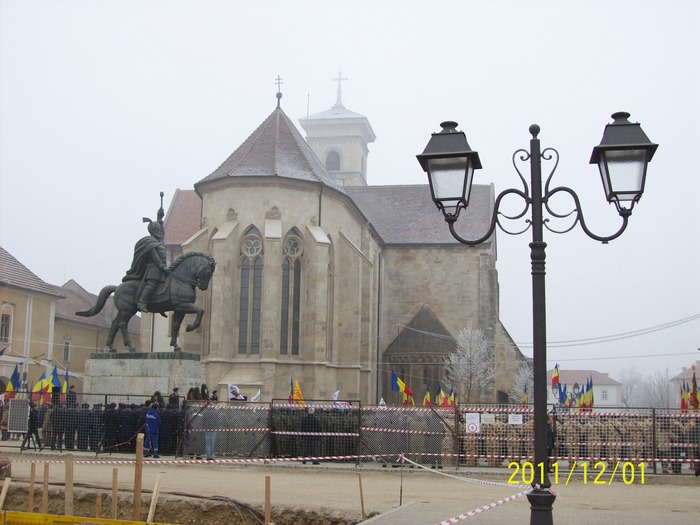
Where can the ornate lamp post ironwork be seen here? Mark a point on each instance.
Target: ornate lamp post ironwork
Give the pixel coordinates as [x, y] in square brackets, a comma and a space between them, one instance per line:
[622, 158]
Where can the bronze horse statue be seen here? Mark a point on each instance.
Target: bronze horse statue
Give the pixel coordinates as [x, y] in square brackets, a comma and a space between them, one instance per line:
[188, 272]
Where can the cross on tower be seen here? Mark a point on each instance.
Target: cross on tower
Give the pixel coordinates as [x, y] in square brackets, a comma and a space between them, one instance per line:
[279, 83]
[339, 80]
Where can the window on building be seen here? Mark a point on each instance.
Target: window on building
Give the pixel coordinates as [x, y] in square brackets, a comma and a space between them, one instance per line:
[426, 376]
[66, 351]
[291, 294]
[333, 161]
[5, 328]
[250, 297]
[604, 394]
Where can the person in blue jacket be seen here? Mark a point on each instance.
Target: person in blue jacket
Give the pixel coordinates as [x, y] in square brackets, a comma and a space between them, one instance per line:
[150, 442]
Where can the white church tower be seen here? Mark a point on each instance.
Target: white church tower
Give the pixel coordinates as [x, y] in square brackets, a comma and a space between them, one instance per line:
[339, 137]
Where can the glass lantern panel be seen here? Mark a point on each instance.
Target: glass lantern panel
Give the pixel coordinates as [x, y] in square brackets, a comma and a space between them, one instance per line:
[448, 177]
[626, 173]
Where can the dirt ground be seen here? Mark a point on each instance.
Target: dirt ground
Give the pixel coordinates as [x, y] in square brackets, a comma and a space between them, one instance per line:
[234, 494]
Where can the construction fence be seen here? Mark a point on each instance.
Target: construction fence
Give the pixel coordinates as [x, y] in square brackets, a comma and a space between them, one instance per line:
[484, 435]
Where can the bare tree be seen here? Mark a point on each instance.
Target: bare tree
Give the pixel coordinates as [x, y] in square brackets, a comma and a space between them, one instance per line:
[470, 368]
[631, 381]
[657, 391]
[522, 378]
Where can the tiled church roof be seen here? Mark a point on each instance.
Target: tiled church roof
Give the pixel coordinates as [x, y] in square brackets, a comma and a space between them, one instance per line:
[14, 273]
[184, 217]
[407, 214]
[276, 148]
[424, 334]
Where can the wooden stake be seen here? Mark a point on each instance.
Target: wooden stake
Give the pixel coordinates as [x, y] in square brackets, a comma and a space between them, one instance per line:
[45, 495]
[115, 495]
[154, 499]
[32, 479]
[69, 485]
[138, 478]
[267, 500]
[362, 497]
[98, 506]
[3, 494]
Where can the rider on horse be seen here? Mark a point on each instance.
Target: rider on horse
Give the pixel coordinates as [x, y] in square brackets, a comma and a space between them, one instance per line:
[150, 256]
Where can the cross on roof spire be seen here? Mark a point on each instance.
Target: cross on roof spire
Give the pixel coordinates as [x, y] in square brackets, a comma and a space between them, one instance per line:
[339, 80]
[279, 83]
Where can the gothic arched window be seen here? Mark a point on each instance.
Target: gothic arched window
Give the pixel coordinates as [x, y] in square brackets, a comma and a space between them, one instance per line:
[333, 161]
[291, 294]
[250, 302]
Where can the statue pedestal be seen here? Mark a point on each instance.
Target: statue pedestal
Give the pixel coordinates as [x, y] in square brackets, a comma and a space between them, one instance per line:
[142, 373]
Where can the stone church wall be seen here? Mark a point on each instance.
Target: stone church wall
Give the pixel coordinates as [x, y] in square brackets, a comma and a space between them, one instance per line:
[338, 317]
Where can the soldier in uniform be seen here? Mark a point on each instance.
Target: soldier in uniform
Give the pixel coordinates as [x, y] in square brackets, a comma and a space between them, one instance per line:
[663, 440]
[84, 427]
[528, 433]
[96, 427]
[647, 437]
[594, 438]
[571, 433]
[490, 436]
[636, 436]
[514, 443]
[678, 452]
[149, 262]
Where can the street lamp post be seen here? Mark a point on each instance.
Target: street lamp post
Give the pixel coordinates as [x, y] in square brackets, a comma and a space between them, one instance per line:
[622, 158]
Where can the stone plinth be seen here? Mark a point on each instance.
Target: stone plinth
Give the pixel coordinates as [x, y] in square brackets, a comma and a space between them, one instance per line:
[142, 373]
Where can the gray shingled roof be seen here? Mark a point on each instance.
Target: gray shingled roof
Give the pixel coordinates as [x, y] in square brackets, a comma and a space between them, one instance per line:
[276, 148]
[407, 214]
[14, 273]
[424, 334]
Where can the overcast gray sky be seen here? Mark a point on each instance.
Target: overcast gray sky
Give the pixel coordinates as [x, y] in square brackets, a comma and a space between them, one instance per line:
[104, 104]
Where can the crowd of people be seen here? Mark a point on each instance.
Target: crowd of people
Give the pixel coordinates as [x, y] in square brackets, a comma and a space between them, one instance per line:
[64, 424]
[671, 438]
[189, 425]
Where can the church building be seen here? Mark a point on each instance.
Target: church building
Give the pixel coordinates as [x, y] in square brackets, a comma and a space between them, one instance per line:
[326, 280]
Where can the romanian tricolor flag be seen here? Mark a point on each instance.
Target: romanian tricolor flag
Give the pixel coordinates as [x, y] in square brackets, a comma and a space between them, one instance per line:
[396, 384]
[40, 388]
[298, 396]
[555, 376]
[684, 398]
[693, 395]
[451, 398]
[399, 386]
[291, 390]
[591, 397]
[440, 398]
[13, 385]
[525, 396]
[426, 397]
[64, 386]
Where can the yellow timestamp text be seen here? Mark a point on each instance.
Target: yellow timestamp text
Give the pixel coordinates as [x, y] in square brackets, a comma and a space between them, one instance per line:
[601, 473]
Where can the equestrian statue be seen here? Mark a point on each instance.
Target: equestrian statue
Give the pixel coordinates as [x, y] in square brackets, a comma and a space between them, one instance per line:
[151, 286]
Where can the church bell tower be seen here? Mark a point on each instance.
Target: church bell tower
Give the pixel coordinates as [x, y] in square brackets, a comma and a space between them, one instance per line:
[339, 138]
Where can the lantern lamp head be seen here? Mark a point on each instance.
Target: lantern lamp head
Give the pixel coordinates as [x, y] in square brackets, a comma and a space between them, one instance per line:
[622, 158]
[450, 163]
